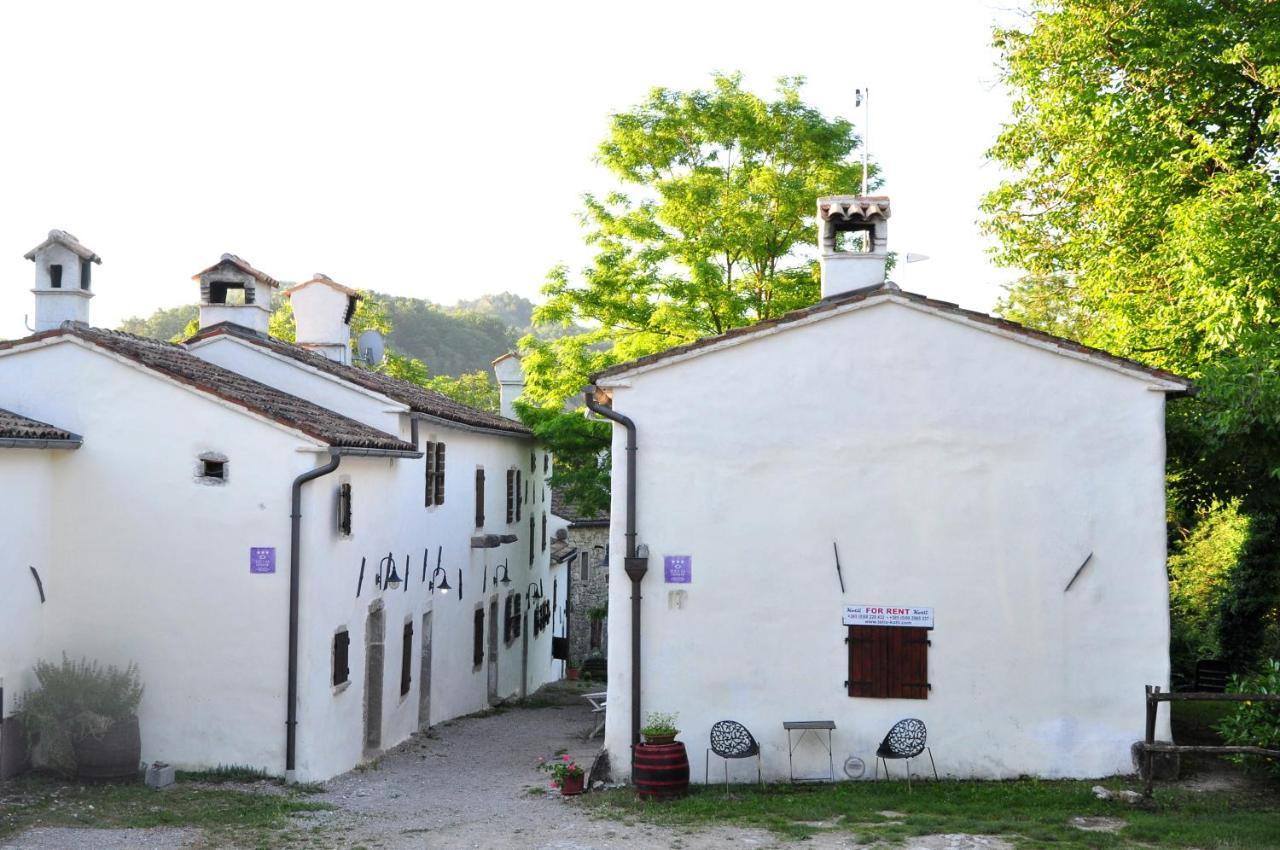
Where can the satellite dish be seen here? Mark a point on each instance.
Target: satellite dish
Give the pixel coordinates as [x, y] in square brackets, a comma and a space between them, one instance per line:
[916, 258]
[370, 348]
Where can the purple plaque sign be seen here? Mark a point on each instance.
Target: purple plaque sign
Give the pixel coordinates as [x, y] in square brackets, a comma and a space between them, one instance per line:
[677, 569]
[262, 559]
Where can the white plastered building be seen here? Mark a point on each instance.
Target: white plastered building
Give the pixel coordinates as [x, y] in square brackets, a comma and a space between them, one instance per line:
[964, 468]
[149, 518]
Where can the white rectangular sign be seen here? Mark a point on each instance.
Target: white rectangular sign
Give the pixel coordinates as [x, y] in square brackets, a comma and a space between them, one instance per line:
[888, 615]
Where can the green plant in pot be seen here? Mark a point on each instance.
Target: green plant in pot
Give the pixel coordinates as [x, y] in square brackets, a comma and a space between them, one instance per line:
[659, 728]
[83, 719]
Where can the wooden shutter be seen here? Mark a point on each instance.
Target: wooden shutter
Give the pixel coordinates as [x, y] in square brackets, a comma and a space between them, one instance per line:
[406, 659]
[341, 653]
[531, 541]
[506, 620]
[519, 494]
[544, 531]
[344, 509]
[908, 663]
[516, 625]
[479, 498]
[511, 496]
[439, 473]
[477, 638]
[429, 454]
[866, 661]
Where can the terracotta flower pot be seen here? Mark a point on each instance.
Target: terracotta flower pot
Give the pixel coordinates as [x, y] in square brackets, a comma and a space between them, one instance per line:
[571, 786]
[573, 673]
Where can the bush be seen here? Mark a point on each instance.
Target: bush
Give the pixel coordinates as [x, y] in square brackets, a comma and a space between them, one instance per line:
[77, 699]
[1255, 724]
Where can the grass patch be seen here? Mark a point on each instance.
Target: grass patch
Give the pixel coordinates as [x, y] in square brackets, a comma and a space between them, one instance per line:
[231, 816]
[1031, 813]
[228, 773]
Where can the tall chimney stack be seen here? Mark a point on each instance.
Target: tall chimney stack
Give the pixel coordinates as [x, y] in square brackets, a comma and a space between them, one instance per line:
[235, 292]
[853, 237]
[64, 270]
[322, 311]
[510, 374]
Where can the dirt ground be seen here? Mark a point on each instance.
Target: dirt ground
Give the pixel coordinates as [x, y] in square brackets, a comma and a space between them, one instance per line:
[473, 783]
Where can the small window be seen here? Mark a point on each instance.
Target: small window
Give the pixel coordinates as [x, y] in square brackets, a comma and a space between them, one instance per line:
[229, 292]
[344, 509]
[479, 498]
[215, 470]
[341, 651]
[584, 560]
[55, 276]
[597, 633]
[853, 241]
[888, 662]
[477, 638]
[406, 659]
[86, 273]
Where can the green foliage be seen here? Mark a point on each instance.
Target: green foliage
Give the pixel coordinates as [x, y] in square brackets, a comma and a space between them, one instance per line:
[1255, 724]
[477, 389]
[77, 699]
[1247, 620]
[581, 449]
[1200, 574]
[724, 184]
[659, 723]
[167, 324]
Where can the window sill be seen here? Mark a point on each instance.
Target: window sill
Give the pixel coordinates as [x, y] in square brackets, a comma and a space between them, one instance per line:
[337, 689]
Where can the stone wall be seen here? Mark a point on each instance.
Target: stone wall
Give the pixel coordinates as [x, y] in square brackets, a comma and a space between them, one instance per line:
[588, 594]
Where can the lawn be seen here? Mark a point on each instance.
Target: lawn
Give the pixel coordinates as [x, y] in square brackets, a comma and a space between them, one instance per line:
[239, 817]
[1032, 813]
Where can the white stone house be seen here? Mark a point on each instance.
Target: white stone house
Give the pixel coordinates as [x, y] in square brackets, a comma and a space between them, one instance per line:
[153, 520]
[964, 467]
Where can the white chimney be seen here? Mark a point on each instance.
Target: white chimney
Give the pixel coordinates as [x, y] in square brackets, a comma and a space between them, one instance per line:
[510, 374]
[853, 237]
[64, 270]
[322, 311]
[235, 292]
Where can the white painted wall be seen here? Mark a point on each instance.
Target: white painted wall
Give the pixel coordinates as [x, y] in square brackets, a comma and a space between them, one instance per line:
[956, 469]
[69, 303]
[318, 310]
[26, 507]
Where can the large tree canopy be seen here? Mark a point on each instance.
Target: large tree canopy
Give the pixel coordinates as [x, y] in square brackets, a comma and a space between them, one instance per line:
[704, 234]
[1144, 204]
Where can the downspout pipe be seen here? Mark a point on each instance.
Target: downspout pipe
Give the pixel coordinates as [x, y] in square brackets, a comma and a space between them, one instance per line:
[295, 567]
[635, 565]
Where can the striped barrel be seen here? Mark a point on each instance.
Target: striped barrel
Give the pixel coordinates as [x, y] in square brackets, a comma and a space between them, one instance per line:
[660, 771]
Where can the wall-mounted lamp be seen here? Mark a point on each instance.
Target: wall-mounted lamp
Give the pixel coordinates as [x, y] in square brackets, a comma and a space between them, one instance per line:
[392, 579]
[443, 586]
[533, 591]
[506, 578]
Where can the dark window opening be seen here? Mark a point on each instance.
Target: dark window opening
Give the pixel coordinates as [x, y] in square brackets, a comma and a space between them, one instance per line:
[597, 633]
[888, 662]
[86, 273]
[55, 276]
[853, 237]
[215, 469]
[479, 498]
[406, 659]
[585, 562]
[341, 653]
[477, 638]
[225, 292]
[344, 509]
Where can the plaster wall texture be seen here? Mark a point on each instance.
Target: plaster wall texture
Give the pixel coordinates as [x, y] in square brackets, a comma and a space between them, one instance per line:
[25, 521]
[253, 316]
[588, 594]
[69, 303]
[956, 469]
[318, 310]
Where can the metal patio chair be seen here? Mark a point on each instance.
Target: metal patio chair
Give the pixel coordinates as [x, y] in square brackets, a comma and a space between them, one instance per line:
[906, 740]
[731, 740]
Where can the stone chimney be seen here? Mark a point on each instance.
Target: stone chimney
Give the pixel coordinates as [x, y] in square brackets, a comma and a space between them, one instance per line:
[235, 292]
[510, 374]
[322, 311]
[853, 237]
[64, 270]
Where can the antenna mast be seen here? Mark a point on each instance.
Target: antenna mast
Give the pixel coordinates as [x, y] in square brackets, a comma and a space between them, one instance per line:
[863, 99]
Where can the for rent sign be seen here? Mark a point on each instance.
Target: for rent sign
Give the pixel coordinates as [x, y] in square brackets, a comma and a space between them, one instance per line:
[888, 615]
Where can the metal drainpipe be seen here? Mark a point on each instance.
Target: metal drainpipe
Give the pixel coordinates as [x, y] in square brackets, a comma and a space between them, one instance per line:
[635, 566]
[295, 565]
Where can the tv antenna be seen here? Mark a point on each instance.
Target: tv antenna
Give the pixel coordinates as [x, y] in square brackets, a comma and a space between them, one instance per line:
[862, 97]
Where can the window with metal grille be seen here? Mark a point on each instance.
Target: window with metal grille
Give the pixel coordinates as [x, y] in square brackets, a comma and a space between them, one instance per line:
[479, 498]
[888, 662]
[344, 509]
[406, 659]
[341, 653]
[477, 638]
[439, 473]
[429, 460]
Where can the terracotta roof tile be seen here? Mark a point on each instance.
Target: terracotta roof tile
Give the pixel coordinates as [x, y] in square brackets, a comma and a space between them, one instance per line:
[177, 363]
[561, 507]
[14, 426]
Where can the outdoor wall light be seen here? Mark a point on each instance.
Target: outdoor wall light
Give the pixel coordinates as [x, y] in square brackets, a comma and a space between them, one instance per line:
[392, 579]
[443, 586]
[506, 579]
[533, 591]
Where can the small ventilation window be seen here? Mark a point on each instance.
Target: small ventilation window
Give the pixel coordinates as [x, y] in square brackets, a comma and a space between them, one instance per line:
[212, 469]
[344, 509]
[341, 652]
[55, 276]
[227, 292]
[853, 239]
[86, 273]
[585, 565]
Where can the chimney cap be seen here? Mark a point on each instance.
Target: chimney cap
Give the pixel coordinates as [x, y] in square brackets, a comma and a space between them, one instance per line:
[242, 265]
[501, 357]
[66, 240]
[327, 281]
[853, 207]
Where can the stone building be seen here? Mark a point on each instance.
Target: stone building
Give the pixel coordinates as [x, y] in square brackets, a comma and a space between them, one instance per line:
[588, 575]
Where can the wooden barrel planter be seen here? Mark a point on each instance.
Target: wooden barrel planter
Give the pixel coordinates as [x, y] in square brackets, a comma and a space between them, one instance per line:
[114, 755]
[660, 771]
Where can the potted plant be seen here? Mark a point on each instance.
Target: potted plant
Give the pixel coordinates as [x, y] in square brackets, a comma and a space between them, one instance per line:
[659, 728]
[565, 775]
[82, 719]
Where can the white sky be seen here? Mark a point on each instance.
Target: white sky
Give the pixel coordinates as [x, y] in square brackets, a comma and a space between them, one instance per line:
[439, 150]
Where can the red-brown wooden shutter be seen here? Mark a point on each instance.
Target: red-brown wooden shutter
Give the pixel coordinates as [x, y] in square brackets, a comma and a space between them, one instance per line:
[479, 498]
[429, 456]
[519, 494]
[867, 662]
[908, 668]
[439, 473]
[511, 496]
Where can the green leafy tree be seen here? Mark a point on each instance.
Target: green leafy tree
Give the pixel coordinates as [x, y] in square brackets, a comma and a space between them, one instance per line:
[1143, 203]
